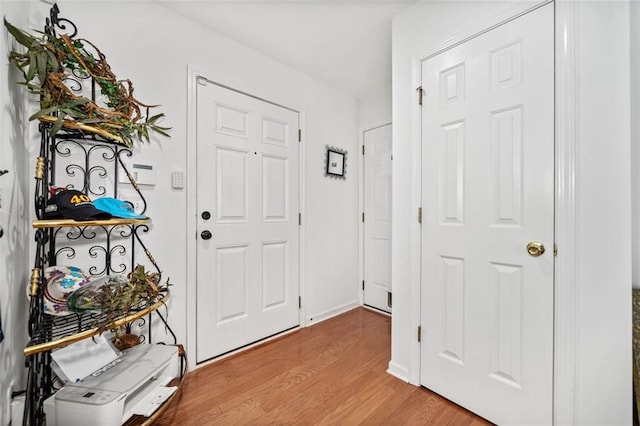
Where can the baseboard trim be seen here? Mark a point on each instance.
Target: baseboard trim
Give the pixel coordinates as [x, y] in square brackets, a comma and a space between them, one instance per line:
[330, 313]
[242, 349]
[398, 371]
[377, 311]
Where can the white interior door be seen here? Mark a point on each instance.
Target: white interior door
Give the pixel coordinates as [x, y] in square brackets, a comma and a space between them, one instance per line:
[488, 191]
[377, 213]
[247, 200]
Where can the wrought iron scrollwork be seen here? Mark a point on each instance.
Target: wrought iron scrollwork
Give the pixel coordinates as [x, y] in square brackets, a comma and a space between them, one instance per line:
[92, 164]
[73, 83]
[54, 21]
[85, 165]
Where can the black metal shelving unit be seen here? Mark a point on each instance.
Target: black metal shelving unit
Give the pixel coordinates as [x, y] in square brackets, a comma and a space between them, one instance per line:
[89, 163]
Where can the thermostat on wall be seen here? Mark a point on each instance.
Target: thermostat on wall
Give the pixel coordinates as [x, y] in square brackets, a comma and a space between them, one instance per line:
[143, 174]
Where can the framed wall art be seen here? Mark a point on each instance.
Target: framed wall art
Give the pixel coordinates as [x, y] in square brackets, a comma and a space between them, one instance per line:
[335, 163]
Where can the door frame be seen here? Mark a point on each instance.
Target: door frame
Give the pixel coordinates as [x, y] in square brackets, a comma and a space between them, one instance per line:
[361, 207]
[565, 288]
[193, 74]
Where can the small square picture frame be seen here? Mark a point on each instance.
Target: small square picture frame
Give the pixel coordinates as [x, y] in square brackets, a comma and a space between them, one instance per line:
[335, 165]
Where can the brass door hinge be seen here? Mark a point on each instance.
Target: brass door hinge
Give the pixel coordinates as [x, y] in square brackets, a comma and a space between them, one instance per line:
[555, 249]
[419, 333]
[420, 95]
[419, 214]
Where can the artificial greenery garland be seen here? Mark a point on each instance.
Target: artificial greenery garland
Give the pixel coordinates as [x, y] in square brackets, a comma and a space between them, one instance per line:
[117, 296]
[44, 66]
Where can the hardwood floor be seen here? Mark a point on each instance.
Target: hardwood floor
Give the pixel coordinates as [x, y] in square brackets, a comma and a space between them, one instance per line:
[331, 373]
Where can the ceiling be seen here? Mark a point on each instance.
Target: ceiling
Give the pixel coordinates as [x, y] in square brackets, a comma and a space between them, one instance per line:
[344, 43]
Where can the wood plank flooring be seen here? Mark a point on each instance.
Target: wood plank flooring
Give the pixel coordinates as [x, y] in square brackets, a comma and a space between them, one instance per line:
[331, 373]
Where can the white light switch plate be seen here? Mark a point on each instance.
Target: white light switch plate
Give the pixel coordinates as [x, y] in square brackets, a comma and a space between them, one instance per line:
[132, 197]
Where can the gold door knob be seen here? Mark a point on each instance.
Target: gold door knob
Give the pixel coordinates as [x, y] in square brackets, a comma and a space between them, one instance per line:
[535, 248]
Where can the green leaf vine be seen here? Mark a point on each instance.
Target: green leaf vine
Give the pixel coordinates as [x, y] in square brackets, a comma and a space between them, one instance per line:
[116, 296]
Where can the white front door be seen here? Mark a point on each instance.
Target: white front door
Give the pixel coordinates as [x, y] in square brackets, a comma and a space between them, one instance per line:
[488, 192]
[247, 201]
[377, 217]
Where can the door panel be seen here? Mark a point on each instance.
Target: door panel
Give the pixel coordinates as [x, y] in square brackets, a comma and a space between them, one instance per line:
[233, 186]
[231, 283]
[274, 275]
[248, 180]
[275, 189]
[488, 190]
[377, 224]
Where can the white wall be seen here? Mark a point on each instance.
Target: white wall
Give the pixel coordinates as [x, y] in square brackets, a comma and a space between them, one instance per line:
[15, 208]
[603, 267]
[153, 46]
[603, 212]
[155, 57]
[375, 109]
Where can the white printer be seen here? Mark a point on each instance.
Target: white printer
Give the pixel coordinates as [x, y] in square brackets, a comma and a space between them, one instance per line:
[134, 383]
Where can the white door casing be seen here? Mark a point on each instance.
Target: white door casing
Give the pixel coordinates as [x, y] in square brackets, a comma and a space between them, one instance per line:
[488, 190]
[247, 272]
[377, 217]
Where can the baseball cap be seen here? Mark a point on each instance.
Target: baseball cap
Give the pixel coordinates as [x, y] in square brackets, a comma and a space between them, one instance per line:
[73, 204]
[117, 208]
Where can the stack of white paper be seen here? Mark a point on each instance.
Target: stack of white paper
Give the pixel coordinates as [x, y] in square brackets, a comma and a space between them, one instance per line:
[76, 361]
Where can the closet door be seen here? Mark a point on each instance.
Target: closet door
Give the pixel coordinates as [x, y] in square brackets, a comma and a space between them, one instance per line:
[487, 235]
[377, 218]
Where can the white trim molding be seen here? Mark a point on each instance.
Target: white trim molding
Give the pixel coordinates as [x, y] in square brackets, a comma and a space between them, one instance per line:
[565, 223]
[415, 260]
[192, 80]
[398, 371]
[330, 313]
